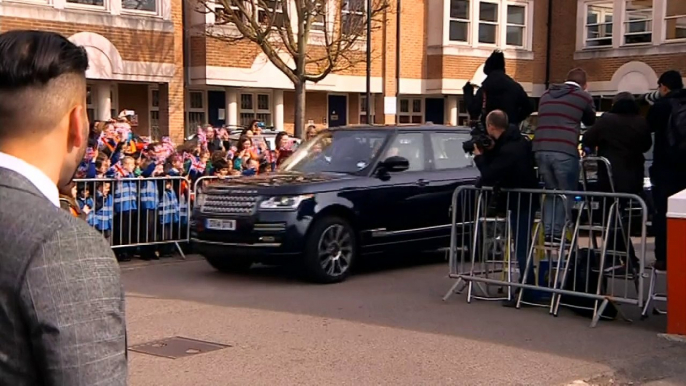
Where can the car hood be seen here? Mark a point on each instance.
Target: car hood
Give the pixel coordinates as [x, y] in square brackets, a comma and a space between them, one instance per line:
[286, 183]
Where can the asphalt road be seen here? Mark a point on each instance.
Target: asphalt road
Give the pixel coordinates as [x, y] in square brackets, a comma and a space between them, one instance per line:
[387, 325]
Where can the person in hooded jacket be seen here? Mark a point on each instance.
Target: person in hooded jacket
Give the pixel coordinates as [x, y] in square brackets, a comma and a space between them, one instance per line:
[509, 164]
[500, 91]
[561, 110]
[622, 136]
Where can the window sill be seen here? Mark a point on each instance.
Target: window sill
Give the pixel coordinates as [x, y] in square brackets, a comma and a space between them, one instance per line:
[631, 50]
[458, 49]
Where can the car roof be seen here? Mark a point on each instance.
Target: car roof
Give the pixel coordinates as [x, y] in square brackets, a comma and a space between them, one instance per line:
[402, 128]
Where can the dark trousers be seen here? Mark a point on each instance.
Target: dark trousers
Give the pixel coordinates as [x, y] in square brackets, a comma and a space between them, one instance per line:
[522, 214]
[125, 228]
[619, 232]
[665, 184]
[147, 232]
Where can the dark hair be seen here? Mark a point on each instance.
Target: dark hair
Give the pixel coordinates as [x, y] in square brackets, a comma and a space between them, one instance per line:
[624, 103]
[220, 164]
[495, 62]
[578, 76]
[242, 140]
[252, 123]
[497, 118]
[279, 135]
[30, 62]
[672, 80]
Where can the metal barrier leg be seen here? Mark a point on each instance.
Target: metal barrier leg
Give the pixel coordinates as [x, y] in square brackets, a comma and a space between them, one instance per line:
[178, 247]
[601, 309]
[454, 290]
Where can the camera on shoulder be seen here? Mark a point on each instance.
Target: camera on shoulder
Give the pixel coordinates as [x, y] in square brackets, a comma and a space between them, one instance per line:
[479, 138]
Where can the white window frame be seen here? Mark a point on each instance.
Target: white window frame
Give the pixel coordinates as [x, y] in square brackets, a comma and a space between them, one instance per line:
[497, 24]
[626, 22]
[485, 49]
[255, 111]
[665, 17]
[105, 7]
[363, 109]
[157, 12]
[362, 13]
[524, 27]
[259, 9]
[190, 109]
[467, 21]
[410, 113]
[601, 25]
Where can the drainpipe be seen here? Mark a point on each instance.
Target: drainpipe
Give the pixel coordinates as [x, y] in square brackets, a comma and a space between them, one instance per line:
[548, 44]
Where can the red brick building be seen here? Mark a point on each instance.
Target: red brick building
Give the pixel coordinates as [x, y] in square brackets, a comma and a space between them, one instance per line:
[135, 49]
[138, 50]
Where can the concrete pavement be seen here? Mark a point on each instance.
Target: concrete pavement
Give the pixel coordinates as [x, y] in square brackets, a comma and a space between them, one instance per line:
[385, 326]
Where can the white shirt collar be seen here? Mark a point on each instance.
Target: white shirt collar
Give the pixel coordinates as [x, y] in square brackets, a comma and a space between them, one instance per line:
[573, 83]
[33, 174]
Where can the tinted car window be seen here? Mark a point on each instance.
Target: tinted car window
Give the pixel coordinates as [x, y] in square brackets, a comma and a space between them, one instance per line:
[409, 146]
[448, 152]
[340, 151]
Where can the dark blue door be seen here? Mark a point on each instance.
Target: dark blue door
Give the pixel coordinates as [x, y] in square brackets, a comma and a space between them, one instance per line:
[435, 111]
[338, 110]
[216, 108]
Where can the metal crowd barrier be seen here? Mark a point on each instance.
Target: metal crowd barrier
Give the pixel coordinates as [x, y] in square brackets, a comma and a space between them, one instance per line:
[591, 265]
[138, 213]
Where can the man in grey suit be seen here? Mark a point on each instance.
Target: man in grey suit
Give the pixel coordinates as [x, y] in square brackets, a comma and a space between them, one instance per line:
[61, 300]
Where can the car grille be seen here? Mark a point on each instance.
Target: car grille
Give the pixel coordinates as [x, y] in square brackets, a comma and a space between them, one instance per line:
[240, 203]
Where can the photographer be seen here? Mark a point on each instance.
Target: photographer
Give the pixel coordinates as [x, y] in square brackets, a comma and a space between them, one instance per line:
[509, 164]
[498, 91]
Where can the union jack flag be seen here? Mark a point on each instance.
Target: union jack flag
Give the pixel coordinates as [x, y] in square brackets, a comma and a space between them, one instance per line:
[197, 165]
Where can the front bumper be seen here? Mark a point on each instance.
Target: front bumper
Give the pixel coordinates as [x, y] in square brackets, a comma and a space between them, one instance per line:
[263, 235]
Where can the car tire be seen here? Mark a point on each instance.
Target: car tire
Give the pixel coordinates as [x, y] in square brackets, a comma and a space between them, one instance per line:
[229, 264]
[330, 251]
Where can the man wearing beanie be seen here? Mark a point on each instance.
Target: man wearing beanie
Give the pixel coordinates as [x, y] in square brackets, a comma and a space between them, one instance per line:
[667, 119]
[500, 92]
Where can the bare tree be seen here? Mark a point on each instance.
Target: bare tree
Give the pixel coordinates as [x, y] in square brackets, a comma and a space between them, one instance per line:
[318, 37]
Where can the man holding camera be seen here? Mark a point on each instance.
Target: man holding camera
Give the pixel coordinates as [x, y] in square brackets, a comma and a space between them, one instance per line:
[509, 164]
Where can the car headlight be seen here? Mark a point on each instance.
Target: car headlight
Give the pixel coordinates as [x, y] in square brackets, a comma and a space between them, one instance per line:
[646, 183]
[284, 202]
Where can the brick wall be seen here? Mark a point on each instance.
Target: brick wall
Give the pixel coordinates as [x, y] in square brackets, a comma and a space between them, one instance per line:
[315, 109]
[134, 45]
[598, 69]
[135, 97]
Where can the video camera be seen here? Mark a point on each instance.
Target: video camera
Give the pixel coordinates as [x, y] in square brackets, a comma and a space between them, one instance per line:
[479, 138]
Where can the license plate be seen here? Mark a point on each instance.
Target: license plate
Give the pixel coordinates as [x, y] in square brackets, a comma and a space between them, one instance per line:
[222, 225]
[594, 205]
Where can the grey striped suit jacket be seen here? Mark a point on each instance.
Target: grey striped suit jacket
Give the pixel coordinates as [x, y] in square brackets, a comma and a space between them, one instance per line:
[61, 301]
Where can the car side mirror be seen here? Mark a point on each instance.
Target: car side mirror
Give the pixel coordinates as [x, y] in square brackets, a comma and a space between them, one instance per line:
[395, 164]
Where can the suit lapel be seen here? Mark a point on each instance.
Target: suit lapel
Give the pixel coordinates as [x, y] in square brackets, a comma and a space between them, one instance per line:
[13, 180]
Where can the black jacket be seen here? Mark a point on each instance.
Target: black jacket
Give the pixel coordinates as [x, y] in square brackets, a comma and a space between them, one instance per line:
[502, 93]
[622, 136]
[658, 120]
[509, 164]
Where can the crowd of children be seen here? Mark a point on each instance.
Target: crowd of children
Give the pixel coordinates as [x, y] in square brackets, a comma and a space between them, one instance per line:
[137, 192]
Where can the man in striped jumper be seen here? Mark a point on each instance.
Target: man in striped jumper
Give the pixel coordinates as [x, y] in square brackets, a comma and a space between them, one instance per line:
[561, 111]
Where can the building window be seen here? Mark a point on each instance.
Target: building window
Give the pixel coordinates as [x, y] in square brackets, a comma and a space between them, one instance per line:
[675, 20]
[462, 114]
[459, 20]
[353, 17]
[598, 27]
[255, 106]
[319, 19]
[516, 25]
[97, 3]
[222, 16]
[140, 5]
[154, 114]
[113, 109]
[363, 109]
[410, 110]
[488, 22]
[90, 107]
[638, 22]
[196, 109]
[272, 14]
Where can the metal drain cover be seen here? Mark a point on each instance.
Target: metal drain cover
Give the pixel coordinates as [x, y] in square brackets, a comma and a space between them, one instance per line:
[177, 347]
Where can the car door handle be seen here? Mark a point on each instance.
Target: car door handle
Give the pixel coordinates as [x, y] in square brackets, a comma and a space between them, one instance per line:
[422, 182]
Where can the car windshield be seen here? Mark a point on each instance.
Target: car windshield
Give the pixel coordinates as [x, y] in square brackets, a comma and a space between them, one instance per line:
[340, 151]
